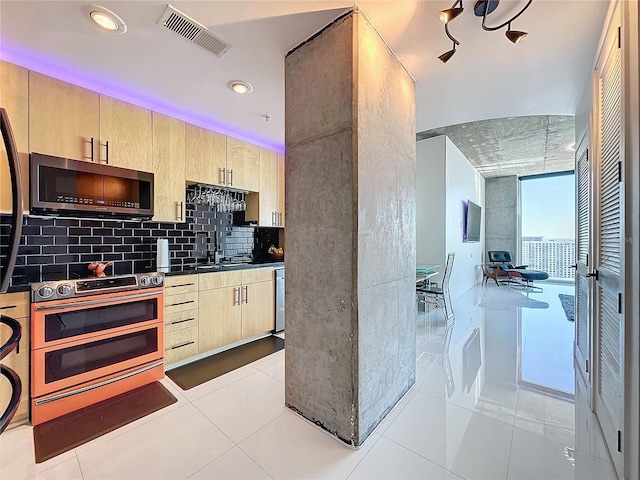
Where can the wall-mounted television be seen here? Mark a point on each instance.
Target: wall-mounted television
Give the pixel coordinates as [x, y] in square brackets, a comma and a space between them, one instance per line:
[473, 222]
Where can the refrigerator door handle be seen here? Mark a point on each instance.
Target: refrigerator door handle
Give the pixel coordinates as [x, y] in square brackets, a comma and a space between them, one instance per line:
[16, 197]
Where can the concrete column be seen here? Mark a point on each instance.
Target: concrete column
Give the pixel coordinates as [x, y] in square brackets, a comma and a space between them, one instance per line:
[350, 203]
[502, 218]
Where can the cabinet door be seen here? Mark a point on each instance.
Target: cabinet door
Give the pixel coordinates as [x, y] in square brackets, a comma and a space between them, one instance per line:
[206, 155]
[262, 207]
[128, 129]
[63, 118]
[219, 318]
[168, 169]
[281, 173]
[16, 305]
[14, 98]
[243, 165]
[258, 303]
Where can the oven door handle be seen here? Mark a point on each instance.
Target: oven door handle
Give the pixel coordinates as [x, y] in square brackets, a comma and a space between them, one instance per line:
[95, 302]
[100, 384]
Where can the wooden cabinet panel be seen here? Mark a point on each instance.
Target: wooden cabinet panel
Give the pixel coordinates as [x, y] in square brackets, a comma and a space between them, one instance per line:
[243, 165]
[220, 279]
[258, 314]
[179, 320]
[205, 154]
[265, 207]
[180, 344]
[168, 169]
[62, 118]
[129, 131]
[181, 302]
[253, 275]
[180, 284]
[219, 319]
[16, 305]
[281, 175]
[14, 98]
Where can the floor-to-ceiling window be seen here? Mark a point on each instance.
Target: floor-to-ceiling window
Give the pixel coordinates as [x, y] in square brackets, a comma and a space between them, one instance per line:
[548, 224]
[548, 244]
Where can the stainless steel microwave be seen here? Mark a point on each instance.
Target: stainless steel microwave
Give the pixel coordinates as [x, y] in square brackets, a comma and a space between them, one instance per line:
[60, 186]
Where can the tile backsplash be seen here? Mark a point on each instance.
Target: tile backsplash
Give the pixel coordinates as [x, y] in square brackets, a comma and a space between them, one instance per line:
[54, 248]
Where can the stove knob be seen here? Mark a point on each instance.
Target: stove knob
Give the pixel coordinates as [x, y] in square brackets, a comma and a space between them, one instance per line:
[65, 289]
[158, 280]
[45, 291]
[145, 281]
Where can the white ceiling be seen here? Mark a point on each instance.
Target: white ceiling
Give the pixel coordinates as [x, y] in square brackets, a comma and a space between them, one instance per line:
[150, 66]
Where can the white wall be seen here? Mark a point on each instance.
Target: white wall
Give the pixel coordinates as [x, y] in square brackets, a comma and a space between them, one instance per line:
[463, 183]
[430, 205]
[444, 181]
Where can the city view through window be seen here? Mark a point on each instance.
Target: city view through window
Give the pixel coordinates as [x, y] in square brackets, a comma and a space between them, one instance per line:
[548, 224]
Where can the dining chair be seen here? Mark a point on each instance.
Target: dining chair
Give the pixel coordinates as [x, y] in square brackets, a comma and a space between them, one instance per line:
[439, 296]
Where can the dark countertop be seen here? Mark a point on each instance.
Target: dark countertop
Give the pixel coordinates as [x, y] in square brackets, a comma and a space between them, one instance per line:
[191, 269]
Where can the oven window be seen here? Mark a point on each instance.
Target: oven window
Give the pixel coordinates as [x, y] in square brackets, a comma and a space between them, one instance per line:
[78, 322]
[70, 361]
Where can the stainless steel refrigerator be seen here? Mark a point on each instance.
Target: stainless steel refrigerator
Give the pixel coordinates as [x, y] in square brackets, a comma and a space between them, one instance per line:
[10, 155]
[279, 299]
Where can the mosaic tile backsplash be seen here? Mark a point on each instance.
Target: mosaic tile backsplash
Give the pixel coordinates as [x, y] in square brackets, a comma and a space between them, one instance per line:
[55, 248]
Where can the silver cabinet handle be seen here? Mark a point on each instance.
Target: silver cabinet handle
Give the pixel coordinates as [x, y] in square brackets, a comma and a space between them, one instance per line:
[181, 216]
[236, 300]
[223, 176]
[91, 142]
[231, 177]
[182, 321]
[181, 285]
[273, 219]
[180, 303]
[8, 307]
[246, 294]
[182, 345]
[279, 219]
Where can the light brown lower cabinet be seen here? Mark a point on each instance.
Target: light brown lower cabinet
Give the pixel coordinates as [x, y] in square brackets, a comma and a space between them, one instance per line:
[180, 318]
[240, 306]
[16, 306]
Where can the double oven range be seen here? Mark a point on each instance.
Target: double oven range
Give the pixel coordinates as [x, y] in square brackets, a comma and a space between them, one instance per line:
[92, 339]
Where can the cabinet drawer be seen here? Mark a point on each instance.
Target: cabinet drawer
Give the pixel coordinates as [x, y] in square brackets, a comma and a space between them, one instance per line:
[19, 363]
[179, 320]
[180, 303]
[180, 344]
[220, 279]
[15, 305]
[253, 275]
[180, 284]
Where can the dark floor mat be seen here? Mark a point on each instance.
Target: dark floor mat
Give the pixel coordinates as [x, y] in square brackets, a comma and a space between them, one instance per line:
[568, 304]
[205, 369]
[76, 428]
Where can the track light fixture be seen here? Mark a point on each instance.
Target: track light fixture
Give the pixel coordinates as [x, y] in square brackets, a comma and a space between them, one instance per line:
[482, 8]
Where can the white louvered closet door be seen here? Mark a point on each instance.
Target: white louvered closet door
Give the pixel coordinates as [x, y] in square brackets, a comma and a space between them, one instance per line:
[609, 341]
[582, 348]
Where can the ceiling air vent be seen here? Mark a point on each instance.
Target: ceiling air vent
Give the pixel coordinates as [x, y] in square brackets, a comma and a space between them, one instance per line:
[191, 30]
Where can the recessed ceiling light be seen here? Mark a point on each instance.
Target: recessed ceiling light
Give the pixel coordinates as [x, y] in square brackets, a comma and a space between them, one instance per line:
[106, 19]
[239, 86]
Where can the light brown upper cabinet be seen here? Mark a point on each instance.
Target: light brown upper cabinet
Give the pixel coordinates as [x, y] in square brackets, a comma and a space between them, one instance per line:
[267, 207]
[206, 155]
[63, 118]
[168, 169]
[243, 165]
[125, 135]
[281, 174]
[14, 98]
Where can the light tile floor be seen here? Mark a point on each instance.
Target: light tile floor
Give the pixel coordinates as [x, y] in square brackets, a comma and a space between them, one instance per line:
[474, 412]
